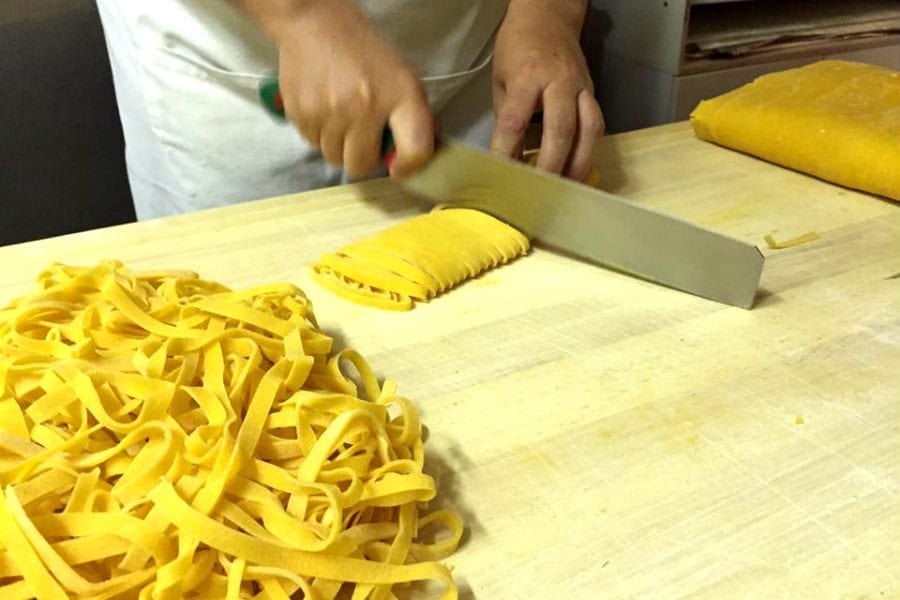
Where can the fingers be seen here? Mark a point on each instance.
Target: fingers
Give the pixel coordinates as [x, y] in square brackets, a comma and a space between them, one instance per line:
[351, 138]
[412, 125]
[302, 111]
[331, 141]
[571, 123]
[590, 127]
[514, 112]
[362, 146]
[559, 128]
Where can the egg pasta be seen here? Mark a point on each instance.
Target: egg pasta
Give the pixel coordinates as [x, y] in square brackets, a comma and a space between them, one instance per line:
[419, 258]
[162, 436]
[836, 120]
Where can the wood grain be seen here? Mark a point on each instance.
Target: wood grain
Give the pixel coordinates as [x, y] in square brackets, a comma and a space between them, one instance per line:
[605, 437]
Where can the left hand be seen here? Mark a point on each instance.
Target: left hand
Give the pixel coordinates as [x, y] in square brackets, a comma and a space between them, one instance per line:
[539, 66]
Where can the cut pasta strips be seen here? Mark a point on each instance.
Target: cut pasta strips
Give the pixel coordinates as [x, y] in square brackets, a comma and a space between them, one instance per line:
[419, 258]
[162, 436]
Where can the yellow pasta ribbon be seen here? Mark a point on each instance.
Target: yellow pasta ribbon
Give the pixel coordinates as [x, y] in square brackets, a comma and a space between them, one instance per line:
[164, 437]
[419, 258]
[796, 241]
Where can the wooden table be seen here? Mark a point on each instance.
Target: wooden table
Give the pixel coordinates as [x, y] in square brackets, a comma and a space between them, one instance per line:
[604, 437]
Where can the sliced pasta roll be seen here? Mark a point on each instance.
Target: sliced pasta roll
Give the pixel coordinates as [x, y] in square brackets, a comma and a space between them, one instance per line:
[420, 258]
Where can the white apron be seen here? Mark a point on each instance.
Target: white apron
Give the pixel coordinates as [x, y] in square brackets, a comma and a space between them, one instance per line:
[187, 74]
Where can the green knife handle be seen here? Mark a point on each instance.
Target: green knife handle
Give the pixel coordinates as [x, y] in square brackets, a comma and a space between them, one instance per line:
[270, 94]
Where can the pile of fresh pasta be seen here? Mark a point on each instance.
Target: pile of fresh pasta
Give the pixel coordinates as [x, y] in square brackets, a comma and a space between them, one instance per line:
[162, 436]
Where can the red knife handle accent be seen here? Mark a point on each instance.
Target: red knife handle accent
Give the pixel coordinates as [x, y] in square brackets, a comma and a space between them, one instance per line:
[388, 149]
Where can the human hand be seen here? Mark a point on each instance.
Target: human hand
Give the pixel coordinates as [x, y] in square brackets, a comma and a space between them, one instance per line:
[341, 85]
[539, 65]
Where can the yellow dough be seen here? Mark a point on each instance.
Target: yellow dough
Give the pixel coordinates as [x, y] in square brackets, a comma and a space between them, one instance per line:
[837, 120]
[419, 258]
[163, 437]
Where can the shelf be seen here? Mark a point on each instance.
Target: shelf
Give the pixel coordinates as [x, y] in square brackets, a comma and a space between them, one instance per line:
[654, 60]
[817, 49]
[721, 35]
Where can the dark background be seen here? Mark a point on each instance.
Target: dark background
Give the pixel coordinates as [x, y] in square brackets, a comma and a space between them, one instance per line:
[62, 164]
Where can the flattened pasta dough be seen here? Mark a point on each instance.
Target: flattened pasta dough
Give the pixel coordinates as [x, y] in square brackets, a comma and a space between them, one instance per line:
[419, 258]
[164, 437]
[837, 120]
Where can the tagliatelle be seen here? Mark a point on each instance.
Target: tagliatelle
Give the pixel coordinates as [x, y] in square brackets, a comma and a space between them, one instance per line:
[419, 258]
[164, 437]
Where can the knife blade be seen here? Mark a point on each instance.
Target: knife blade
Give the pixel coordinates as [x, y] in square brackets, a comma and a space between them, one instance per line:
[592, 224]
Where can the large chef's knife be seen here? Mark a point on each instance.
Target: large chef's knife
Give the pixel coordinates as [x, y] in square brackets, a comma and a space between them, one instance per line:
[592, 224]
[587, 222]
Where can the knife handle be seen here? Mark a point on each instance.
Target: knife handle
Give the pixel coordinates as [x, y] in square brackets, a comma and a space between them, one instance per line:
[270, 94]
[388, 149]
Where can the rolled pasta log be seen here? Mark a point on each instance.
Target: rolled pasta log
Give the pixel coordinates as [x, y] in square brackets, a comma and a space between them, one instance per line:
[836, 120]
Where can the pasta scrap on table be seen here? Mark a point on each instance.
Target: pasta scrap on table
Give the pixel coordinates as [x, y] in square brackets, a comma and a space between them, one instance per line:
[162, 436]
[419, 258]
[796, 241]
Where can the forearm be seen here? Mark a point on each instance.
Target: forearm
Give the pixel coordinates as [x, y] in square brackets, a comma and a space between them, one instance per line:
[532, 13]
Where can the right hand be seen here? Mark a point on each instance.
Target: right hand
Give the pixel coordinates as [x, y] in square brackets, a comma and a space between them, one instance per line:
[342, 84]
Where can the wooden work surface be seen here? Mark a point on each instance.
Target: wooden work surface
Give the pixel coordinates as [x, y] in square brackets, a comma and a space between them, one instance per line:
[604, 437]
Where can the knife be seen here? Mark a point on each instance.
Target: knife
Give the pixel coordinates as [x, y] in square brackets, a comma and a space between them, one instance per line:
[583, 221]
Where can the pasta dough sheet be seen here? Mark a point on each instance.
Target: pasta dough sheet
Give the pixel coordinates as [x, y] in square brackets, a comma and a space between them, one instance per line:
[164, 437]
[836, 120]
[419, 258]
